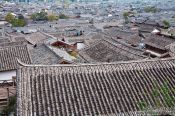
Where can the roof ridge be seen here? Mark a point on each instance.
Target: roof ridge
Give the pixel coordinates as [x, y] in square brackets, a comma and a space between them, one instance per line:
[121, 42]
[95, 64]
[125, 45]
[13, 42]
[92, 45]
[119, 45]
[5, 47]
[52, 51]
[28, 54]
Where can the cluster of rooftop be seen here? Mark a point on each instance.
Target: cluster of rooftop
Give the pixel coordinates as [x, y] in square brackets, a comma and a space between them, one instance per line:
[93, 59]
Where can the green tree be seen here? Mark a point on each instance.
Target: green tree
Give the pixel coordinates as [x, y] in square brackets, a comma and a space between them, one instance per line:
[52, 17]
[39, 16]
[18, 23]
[166, 24]
[33, 17]
[9, 17]
[63, 16]
[11, 106]
[125, 16]
[42, 15]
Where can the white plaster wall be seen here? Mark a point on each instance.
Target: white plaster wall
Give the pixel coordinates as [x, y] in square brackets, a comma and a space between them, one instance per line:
[80, 46]
[7, 75]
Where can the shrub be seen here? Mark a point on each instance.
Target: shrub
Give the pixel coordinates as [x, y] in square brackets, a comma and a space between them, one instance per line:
[18, 22]
[166, 24]
[9, 17]
[125, 16]
[63, 16]
[52, 17]
[39, 16]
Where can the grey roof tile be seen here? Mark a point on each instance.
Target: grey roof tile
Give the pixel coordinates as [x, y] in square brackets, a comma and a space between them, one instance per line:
[106, 51]
[43, 55]
[10, 54]
[92, 89]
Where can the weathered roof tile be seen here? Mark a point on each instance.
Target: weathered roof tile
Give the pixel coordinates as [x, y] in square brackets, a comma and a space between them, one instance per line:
[107, 51]
[158, 41]
[43, 55]
[93, 89]
[10, 54]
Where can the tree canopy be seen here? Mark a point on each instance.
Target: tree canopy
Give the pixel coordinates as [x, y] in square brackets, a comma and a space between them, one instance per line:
[43, 16]
[166, 24]
[18, 22]
[15, 21]
[39, 16]
[9, 17]
[125, 16]
[63, 16]
[52, 17]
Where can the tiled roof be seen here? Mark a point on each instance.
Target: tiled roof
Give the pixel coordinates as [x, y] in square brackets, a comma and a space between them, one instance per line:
[10, 54]
[134, 40]
[171, 49]
[93, 37]
[158, 41]
[119, 33]
[107, 51]
[11, 44]
[146, 28]
[43, 55]
[36, 38]
[19, 39]
[4, 39]
[75, 39]
[93, 89]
